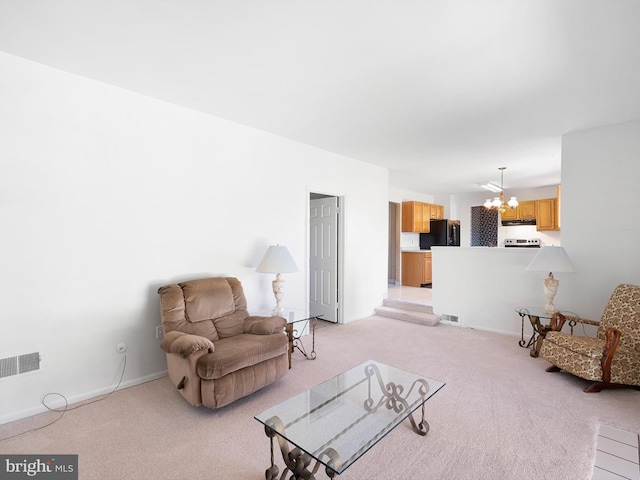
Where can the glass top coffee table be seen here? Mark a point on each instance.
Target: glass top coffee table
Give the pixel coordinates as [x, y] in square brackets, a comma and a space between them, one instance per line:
[337, 421]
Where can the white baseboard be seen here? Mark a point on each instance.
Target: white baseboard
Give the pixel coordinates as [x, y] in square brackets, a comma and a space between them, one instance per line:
[484, 329]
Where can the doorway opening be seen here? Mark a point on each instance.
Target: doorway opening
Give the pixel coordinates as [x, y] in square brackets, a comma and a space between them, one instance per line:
[395, 259]
[325, 256]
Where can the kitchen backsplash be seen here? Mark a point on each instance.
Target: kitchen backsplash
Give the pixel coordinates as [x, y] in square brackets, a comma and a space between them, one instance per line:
[549, 237]
[409, 240]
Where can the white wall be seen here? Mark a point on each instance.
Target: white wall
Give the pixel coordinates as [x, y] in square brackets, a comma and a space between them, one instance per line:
[485, 286]
[105, 195]
[600, 212]
[399, 195]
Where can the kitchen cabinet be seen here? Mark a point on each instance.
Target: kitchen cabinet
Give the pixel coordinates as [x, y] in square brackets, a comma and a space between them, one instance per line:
[526, 210]
[558, 207]
[437, 212]
[416, 268]
[416, 217]
[547, 214]
[427, 275]
[509, 214]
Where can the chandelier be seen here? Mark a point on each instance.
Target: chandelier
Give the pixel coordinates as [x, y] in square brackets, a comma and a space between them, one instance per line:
[498, 202]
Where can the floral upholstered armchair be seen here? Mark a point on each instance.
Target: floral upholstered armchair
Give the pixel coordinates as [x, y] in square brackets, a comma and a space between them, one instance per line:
[612, 359]
[217, 352]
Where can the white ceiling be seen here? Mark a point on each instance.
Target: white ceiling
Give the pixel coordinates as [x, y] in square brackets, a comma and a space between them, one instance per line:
[442, 92]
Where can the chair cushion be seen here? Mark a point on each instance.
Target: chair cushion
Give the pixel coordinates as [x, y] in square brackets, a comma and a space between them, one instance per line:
[577, 355]
[240, 351]
[623, 312]
[231, 325]
[581, 356]
[207, 299]
[590, 347]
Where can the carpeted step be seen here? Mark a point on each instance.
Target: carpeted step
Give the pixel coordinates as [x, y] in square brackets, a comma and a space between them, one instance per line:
[422, 318]
[415, 307]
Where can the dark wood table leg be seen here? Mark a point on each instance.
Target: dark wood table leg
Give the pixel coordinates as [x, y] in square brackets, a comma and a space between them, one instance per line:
[540, 331]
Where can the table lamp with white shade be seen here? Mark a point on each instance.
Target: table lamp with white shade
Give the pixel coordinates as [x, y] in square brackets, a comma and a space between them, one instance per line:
[277, 260]
[551, 259]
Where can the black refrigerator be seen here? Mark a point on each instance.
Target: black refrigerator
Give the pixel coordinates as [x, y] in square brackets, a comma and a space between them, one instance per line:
[441, 233]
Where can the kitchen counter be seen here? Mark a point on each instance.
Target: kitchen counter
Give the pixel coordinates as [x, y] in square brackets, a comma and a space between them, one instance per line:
[423, 250]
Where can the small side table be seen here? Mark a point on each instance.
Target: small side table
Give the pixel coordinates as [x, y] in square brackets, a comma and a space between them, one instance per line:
[294, 317]
[539, 329]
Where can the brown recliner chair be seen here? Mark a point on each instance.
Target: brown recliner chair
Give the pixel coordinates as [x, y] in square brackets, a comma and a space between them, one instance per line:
[217, 352]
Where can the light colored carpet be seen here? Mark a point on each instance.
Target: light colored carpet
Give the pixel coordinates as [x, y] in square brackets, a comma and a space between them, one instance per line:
[500, 416]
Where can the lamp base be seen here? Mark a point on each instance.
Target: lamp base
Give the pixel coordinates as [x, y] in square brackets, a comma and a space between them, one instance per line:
[550, 290]
[278, 292]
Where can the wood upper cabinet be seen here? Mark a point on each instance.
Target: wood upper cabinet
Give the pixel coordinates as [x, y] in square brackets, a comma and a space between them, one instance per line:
[416, 268]
[526, 210]
[509, 214]
[416, 217]
[547, 214]
[437, 212]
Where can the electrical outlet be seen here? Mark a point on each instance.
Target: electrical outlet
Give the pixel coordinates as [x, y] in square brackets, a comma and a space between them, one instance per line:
[159, 332]
[121, 347]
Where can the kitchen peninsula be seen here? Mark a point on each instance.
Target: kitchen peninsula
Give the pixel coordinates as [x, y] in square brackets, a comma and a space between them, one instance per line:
[484, 286]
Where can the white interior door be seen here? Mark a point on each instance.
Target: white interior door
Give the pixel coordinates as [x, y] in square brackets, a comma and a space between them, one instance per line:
[323, 258]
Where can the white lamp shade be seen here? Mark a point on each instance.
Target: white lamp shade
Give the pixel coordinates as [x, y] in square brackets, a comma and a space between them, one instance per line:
[277, 260]
[551, 259]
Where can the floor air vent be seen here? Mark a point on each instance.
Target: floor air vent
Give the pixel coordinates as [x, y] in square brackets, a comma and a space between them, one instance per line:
[20, 364]
[449, 318]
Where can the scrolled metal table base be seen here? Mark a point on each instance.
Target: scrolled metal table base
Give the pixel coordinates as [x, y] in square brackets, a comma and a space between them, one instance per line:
[393, 397]
[394, 400]
[296, 460]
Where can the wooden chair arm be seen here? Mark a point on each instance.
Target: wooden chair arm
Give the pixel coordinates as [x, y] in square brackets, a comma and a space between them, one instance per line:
[612, 336]
[557, 321]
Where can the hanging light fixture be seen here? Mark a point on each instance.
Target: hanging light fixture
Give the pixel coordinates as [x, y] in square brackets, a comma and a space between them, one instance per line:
[498, 202]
